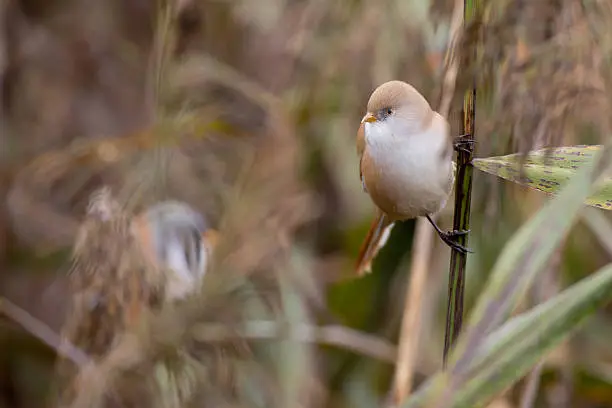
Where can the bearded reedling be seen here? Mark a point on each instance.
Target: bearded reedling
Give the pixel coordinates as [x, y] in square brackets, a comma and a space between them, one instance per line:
[406, 164]
[124, 267]
[178, 237]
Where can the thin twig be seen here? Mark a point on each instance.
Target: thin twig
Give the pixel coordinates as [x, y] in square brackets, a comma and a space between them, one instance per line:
[332, 335]
[423, 241]
[44, 333]
[93, 380]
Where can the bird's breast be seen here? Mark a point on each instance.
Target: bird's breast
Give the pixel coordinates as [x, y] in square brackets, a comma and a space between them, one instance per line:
[408, 176]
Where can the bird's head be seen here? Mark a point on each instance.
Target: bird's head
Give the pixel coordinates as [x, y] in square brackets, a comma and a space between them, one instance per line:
[396, 108]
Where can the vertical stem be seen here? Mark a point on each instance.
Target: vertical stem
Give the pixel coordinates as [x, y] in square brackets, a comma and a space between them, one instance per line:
[463, 198]
[411, 319]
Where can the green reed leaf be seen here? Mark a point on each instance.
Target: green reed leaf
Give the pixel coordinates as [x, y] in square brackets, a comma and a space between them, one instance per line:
[548, 170]
[509, 352]
[522, 259]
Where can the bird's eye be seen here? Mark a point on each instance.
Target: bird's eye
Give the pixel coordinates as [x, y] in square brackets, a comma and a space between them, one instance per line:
[389, 111]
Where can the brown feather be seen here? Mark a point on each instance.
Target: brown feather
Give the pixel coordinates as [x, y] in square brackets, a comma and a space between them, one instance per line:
[374, 241]
[395, 94]
[360, 150]
[360, 140]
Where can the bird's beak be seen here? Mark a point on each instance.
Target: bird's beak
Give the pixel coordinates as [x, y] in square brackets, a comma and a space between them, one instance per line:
[368, 118]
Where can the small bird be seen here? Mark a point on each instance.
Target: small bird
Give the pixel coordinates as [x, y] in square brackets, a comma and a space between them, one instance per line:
[124, 267]
[406, 164]
[178, 237]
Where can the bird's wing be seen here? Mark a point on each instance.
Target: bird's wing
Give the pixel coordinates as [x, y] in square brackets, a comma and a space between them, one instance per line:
[360, 150]
[360, 140]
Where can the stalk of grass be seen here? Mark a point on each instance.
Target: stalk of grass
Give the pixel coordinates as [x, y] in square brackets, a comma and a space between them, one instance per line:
[423, 242]
[411, 318]
[461, 219]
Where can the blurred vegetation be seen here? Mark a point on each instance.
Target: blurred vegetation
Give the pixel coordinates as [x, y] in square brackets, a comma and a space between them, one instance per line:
[248, 111]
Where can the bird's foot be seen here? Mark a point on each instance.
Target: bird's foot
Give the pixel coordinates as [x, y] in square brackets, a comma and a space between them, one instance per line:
[449, 237]
[464, 144]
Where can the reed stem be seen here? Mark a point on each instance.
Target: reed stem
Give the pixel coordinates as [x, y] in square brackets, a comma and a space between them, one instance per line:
[461, 221]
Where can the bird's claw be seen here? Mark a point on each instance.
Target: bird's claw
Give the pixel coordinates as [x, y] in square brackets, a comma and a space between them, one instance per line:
[449, 238]
[457, 233]
[464, 144]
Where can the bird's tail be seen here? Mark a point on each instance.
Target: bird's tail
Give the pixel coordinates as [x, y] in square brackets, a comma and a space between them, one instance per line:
[377, 237]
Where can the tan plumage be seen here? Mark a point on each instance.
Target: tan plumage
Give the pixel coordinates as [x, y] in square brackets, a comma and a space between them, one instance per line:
[405, 156]
[360, 149]
[406, 99]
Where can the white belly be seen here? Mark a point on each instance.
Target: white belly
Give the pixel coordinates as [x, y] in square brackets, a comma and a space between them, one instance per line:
[415, 174]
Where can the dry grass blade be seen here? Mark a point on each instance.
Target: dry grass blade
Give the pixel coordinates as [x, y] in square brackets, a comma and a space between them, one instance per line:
[338, 336]
[423, 242]
[44, 333]
[114, 288]
[53, 173]
[410, 329]
[452, 59]
[531, 389]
